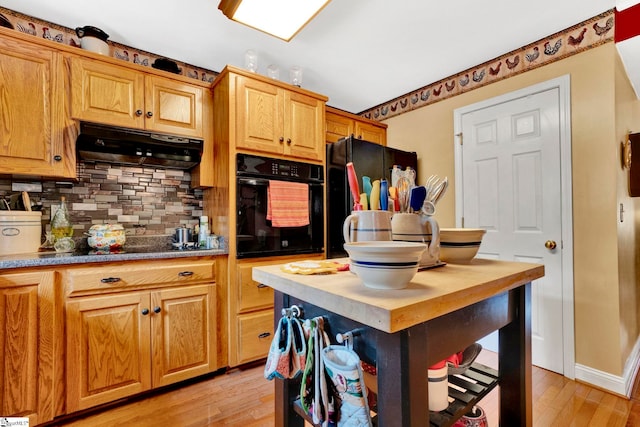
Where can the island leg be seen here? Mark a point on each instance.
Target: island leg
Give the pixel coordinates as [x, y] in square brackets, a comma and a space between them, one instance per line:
[402, 378]
[515, 362]
[286, 391]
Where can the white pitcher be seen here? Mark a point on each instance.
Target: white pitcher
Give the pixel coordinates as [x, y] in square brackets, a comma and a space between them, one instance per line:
[366, 226]
[413, 227]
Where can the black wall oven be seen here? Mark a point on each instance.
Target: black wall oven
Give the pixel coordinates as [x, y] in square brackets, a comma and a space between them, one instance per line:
[255, 234]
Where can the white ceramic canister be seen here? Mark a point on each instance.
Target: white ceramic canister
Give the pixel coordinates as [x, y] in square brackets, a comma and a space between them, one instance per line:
[93, 39]
[20, 232]
[413, 227]
[367, 226]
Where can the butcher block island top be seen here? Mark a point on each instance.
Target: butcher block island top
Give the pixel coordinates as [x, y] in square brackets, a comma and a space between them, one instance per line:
[431, 293]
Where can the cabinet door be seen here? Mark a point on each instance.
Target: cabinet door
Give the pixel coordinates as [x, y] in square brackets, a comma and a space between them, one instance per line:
[371, 133]
[173, 107]
[337, 127]
[106, 93]
[32, 113]
[26, 340]
[183, 333]
[108, 348]
[260, 122]
[304, 126]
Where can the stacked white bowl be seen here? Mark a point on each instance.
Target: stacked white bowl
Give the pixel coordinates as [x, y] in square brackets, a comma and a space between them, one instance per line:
[385, 264]
[460, 245]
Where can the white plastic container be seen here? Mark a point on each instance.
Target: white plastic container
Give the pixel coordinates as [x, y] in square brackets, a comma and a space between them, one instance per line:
[438, 388]
[20, 232]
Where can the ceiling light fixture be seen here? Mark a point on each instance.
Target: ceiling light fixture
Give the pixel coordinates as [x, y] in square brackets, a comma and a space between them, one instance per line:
[280, 18]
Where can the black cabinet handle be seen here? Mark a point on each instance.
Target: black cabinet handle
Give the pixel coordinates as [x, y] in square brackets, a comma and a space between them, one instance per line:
[145, 311]
[149, 114]
[288, 141]
[262, 285]
[157, 309]
[138, 113]
[110, 280]
[264, 335]
[185, 273]
[281, 139]
[57, 157]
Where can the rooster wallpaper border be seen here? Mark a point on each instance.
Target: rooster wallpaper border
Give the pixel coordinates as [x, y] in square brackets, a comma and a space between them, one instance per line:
[578, 38]
[573, 40]
[39, 28]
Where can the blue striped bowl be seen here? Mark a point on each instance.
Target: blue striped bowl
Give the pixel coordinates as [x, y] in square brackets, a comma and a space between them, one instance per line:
[460, 245]
[385, 264]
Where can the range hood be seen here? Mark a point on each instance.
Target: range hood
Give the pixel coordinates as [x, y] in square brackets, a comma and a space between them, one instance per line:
[110, 144]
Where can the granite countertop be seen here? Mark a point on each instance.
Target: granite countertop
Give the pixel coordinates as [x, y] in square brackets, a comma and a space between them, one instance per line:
[136, 248]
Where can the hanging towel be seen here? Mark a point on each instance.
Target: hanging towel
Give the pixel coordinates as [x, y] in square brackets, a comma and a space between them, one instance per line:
[288, 204]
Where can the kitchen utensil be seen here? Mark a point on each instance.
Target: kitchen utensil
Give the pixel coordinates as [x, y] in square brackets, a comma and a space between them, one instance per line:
[374, 198]
[384, 195]
[366, 187]
[26, 201]
[364, 203]
[362, 226]
[417, 197]
[440, 192]
[393, 195]
[353, 186]
[403, 193]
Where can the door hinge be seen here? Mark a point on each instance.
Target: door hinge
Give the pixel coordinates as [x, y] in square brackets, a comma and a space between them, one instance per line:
[459, 135]
[462, 222]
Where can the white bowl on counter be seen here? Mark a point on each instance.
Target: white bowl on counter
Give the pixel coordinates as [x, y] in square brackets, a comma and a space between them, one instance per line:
[385, 264]
[460, 245]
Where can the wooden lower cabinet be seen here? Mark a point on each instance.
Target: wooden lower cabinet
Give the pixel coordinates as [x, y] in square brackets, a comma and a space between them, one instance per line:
[27, 359]
[122, 344]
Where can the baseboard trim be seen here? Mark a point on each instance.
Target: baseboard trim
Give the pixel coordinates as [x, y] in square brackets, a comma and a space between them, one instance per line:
[621, 385]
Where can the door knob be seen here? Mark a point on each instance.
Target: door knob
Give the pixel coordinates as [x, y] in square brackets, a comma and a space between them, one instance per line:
[550, 244]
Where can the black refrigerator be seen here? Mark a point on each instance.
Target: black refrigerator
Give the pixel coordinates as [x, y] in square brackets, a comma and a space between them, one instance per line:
[369, 159]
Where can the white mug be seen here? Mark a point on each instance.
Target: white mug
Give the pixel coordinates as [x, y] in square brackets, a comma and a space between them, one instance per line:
[413, 227]
[366, 226]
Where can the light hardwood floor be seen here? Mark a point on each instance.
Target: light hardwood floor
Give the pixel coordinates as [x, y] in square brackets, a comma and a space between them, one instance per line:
[242, 397]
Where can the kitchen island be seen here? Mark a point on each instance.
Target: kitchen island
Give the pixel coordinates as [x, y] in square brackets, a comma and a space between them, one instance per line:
[402, 332]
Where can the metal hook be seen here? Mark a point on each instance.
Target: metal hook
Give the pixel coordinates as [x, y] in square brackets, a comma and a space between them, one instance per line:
[347, 337]
[293, 311]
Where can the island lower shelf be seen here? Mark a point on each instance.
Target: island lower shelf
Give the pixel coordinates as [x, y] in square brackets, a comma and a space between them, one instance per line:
[465, 391]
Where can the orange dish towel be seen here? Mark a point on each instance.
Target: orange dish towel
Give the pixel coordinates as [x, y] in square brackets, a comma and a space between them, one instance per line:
[288, 204]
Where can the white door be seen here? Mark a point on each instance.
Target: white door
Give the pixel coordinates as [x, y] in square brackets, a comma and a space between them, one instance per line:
[512, 186]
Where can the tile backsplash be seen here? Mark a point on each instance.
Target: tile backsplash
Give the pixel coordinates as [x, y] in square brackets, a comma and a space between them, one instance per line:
[144, 200]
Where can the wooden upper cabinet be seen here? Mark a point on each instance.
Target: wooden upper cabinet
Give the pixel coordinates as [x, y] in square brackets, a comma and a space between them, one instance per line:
[120, 96]
[33, 137]
[273, 119]
[340, 124]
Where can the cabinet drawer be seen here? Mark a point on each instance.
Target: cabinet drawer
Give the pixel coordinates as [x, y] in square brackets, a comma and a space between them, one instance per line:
[137, 275]
[255, 332]
[251, 294]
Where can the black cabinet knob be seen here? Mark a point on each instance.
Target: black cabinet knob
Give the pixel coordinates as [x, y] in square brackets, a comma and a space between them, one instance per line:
[138, 113]
[145, 311]
[57, 157]
[149, 114]
[157, 309]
